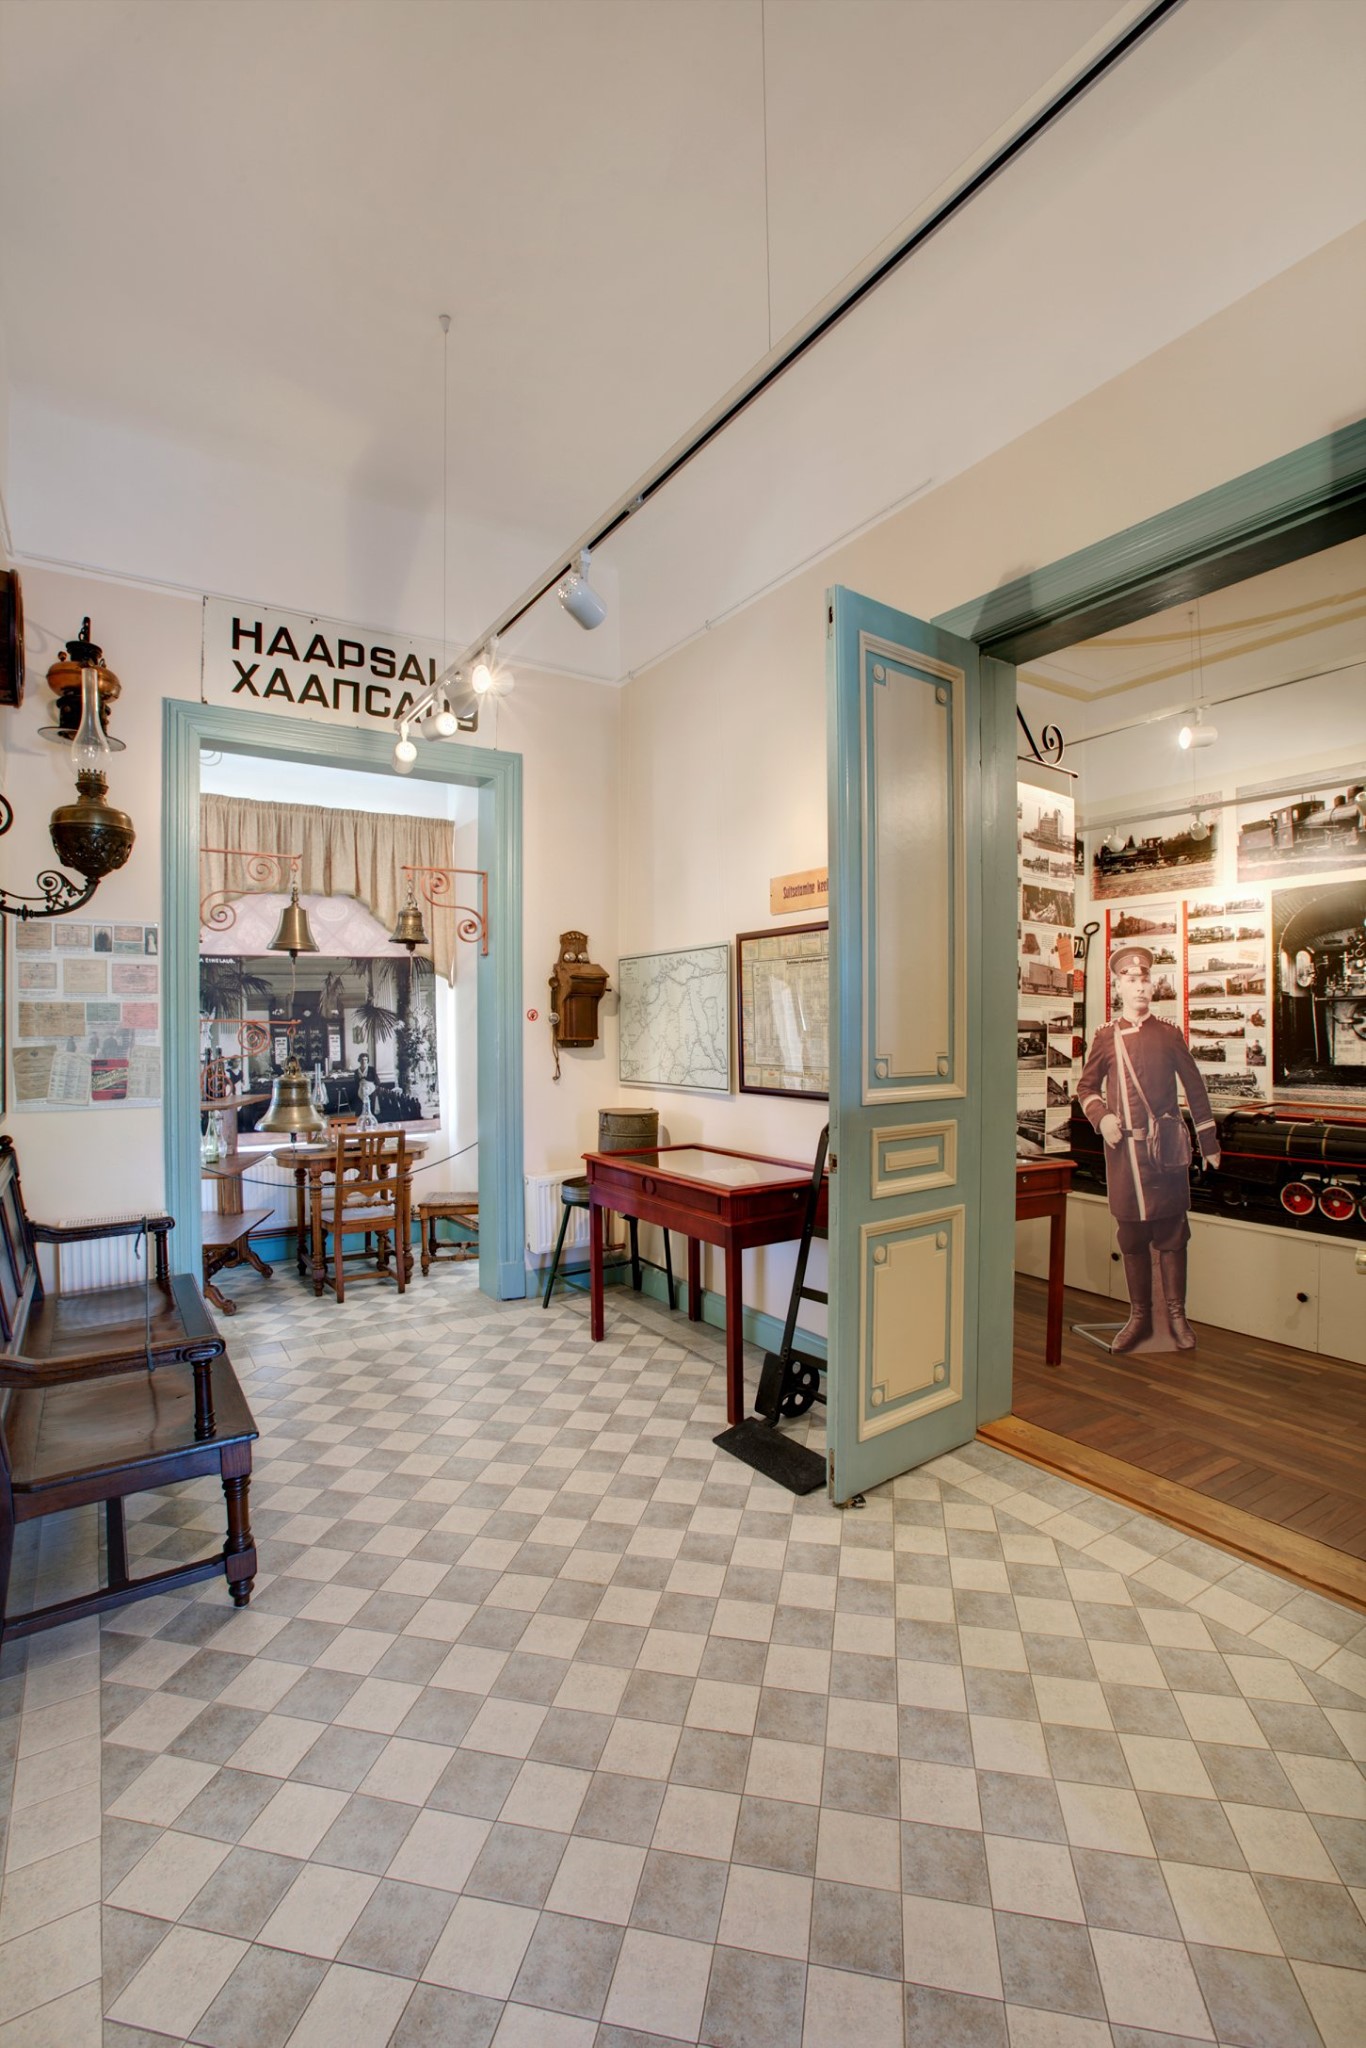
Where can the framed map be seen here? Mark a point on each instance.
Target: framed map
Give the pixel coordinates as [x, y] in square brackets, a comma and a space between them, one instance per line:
[784, 1009]
[675, 1019]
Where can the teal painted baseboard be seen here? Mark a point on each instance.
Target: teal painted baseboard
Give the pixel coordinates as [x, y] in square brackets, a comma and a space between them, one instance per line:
[760, 1328]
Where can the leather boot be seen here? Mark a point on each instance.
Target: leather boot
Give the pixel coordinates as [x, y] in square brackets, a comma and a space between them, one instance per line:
[1138, 1276]
[1174, 1295]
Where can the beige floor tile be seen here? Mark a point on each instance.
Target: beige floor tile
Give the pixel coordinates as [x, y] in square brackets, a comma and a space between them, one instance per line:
[276, 1745]
[660, 1983]
[505, 1727]
[1104, 1817]
[318, 1911]
[406, 1770]
[158, 1795]
[73, 2021]
[767, 1910]
[49, 1961]
[640, 1749]
[1159, 1763]
[1150, 1984]
[951, 1947]
[440, 1850]
[482, 1947]
[1327, 1785]
[173, 1871]
[1280, 1843]
[49, 1889]
[596, 1880]
[178, 1983]
[1337, 2000]
[1220, 1909]
[546, 1796]
[694, 1822]
[295, 1820]
[360, 2007]
[1032, 1877]
[943, 1795]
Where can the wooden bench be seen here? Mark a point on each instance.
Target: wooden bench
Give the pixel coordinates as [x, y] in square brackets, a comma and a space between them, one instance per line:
[108, 1393]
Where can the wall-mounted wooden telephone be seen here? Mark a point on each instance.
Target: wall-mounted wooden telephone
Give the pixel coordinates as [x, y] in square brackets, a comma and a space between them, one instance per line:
[577, 986]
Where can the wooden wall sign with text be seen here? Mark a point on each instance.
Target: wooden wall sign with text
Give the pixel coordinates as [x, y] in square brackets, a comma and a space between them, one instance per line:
[808, 891]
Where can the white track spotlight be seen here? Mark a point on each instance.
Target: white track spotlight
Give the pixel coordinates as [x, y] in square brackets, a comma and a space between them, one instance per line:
[444, 719]
[1197, 735]
[405, 753]
[481, 676]
[1115, 841]
[579, 598]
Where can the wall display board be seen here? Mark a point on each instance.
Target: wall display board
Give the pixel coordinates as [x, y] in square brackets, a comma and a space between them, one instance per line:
[1227, 1005]
[1049, 1042]
[85, 1020]
[1159, 857]
[1319, 936]
[674, 1020]
[783, 981]
[1320, 828]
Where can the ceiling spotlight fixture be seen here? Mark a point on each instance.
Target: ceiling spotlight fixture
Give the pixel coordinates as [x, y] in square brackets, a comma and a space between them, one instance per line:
[579, 598]
[445, 720]
[1115, 841]
[481, 676]
[1197, 735]
[1198, 828]
[405, 753]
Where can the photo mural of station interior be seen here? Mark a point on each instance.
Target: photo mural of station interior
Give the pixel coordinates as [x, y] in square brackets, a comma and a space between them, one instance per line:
[1246, 883]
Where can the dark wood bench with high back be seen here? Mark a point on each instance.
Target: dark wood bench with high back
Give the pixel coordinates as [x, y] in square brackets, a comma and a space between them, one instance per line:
[107, 1393]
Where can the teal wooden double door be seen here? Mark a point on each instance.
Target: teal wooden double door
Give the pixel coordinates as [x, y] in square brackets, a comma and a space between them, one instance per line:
[923, 978]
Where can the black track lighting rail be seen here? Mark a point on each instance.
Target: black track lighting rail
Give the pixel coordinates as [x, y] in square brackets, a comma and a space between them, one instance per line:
[1001, 159]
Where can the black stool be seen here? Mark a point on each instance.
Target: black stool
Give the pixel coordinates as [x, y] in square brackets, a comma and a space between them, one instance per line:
[574, 1195]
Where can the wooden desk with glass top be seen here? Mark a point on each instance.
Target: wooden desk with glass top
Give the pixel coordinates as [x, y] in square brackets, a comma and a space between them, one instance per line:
[736, 1200]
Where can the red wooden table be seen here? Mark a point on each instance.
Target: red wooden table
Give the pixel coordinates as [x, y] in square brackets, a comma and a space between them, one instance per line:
[736, 1200]
[1041, 1187]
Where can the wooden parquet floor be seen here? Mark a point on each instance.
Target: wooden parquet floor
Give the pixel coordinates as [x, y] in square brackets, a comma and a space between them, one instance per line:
[1261, 1427]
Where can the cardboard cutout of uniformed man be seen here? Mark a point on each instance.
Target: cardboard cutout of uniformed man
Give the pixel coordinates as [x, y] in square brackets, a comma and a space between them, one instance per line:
[1129, 1080]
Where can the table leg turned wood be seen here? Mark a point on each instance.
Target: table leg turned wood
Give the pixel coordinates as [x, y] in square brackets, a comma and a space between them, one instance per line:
[595, 1273]
[735, 1337]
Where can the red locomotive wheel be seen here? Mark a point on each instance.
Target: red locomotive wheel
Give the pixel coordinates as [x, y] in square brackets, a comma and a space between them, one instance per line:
[1338, 1204]
[1297, 1198]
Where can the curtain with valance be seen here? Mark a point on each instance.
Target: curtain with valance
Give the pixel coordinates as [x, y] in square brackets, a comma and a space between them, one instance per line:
[345, 853]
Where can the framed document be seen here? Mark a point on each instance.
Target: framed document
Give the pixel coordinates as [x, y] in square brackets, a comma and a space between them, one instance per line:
[784, 983]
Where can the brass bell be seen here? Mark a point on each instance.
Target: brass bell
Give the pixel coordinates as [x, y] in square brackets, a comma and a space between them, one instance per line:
[292, 935]
[410, 930]
[291, 1113]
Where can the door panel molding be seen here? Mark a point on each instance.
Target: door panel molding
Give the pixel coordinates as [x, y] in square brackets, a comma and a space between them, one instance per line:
[913, 873]
[911, 1331]
[913, 1158]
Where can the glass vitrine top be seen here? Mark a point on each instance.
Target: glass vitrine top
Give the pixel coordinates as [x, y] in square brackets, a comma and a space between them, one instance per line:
[713, 1169]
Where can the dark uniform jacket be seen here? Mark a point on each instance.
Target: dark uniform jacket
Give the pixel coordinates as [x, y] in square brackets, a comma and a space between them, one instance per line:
[1158, 1055]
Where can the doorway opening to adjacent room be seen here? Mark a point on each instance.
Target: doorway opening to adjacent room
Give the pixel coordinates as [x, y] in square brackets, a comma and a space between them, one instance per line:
[493, 813]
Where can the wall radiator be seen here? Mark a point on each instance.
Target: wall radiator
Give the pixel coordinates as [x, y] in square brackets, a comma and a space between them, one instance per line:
[544, 1210]
[265, 1185]
[105, 1262]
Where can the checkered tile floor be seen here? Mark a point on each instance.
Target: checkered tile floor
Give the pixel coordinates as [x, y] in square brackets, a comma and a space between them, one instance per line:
[550, 1726]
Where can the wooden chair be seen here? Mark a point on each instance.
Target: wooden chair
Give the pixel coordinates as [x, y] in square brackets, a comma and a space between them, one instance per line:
[370, 1196]
[111, 1392]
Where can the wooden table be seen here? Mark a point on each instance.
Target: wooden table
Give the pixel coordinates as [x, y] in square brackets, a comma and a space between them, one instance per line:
[226, 1227]
[1041, 1189]
[310, 1163]
[736, 1200]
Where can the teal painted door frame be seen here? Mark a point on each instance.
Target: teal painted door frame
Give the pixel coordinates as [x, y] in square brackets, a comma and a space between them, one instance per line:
[186, 728]
[1301, 503]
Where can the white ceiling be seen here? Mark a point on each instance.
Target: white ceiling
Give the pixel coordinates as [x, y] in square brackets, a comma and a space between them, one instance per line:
[230, 228]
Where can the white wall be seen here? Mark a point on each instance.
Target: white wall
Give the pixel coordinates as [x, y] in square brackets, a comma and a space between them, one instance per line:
[105, 1161]
[723, 748]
